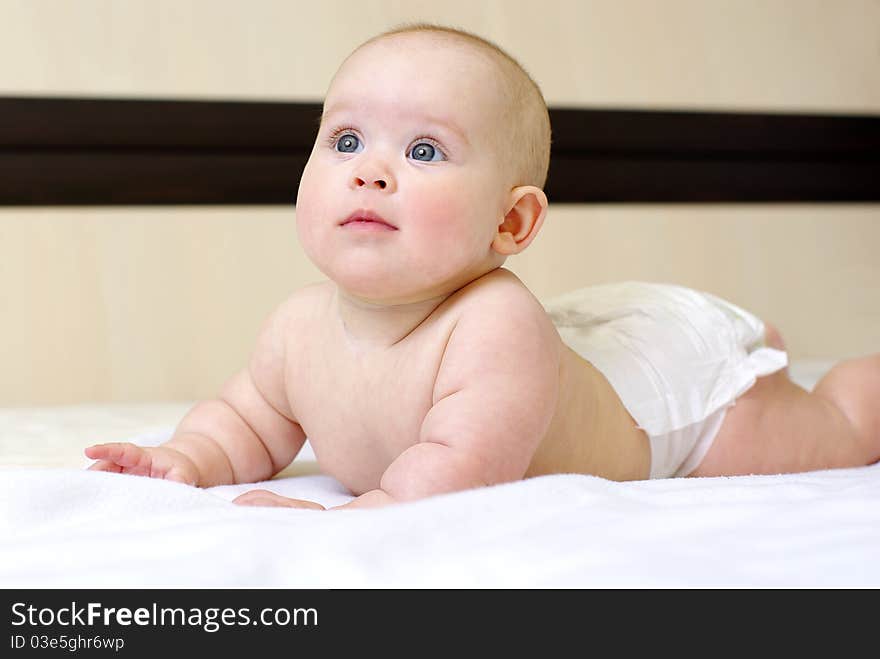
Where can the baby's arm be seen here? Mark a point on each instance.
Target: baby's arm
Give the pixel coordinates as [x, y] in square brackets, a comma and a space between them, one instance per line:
[494, 399]
[246, 434]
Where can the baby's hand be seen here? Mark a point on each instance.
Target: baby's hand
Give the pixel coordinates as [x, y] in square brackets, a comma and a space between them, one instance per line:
[154, 461]
[267, 498]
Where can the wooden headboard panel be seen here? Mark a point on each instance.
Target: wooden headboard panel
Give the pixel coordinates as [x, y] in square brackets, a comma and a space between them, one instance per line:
[77, 151]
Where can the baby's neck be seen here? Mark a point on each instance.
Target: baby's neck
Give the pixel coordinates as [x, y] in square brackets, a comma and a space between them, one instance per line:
[369, 326]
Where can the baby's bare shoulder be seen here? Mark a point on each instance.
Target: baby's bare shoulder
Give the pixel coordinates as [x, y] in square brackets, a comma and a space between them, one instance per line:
[293, 314]
[502, 292]
[302, 305]
[501, 328]
[287, 325]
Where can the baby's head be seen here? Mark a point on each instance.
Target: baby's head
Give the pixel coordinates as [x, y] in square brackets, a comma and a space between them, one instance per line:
[444, 137]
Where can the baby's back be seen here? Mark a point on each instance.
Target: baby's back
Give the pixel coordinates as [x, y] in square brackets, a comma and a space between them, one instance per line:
[591, 432]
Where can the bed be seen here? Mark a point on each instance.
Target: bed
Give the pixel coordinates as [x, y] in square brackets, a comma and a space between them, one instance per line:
[63, 526]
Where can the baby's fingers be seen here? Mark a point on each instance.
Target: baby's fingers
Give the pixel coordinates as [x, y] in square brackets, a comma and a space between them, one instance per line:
[104, 465]
[123, 454]
[267, 498]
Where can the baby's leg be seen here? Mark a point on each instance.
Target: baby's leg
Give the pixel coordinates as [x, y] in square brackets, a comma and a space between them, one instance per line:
[778, 427]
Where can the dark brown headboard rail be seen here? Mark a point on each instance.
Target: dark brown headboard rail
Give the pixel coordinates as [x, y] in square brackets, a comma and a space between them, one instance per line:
[78, 151]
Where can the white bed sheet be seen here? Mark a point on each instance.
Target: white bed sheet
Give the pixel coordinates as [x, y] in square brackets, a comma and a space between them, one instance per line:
[64, 526]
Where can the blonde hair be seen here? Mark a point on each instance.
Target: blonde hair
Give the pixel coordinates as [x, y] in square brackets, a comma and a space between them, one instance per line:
[524, 133]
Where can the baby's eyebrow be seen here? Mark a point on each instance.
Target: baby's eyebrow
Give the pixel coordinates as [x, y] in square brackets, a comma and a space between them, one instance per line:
[449, 125]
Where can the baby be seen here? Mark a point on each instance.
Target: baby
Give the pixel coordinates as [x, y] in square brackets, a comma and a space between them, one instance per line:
[422, 366]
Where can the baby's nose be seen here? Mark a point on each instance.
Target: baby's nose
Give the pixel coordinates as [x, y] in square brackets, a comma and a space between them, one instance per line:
[379, 182]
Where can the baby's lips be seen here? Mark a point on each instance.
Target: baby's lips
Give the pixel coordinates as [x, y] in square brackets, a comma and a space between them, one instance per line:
[366, 214]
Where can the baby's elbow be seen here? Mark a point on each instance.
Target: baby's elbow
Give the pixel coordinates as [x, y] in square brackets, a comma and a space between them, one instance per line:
[429, 468]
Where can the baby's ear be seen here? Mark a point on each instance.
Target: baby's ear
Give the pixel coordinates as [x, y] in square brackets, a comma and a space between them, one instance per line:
[528, 206]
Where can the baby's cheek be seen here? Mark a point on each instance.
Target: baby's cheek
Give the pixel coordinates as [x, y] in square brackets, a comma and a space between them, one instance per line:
[310, 208]
[444, 218]
[449, 243]
[303, 226]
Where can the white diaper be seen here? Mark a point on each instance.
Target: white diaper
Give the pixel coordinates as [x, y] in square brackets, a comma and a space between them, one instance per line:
[678, 358]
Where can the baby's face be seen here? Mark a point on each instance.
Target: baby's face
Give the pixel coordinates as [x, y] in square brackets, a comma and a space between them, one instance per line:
[407, 134]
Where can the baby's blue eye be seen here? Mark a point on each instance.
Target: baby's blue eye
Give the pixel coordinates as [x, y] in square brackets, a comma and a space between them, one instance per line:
[425, 152]
[348, 143]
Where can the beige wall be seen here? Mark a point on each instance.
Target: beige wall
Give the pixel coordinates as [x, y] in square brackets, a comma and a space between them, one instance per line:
[163, 303]
[722, 54]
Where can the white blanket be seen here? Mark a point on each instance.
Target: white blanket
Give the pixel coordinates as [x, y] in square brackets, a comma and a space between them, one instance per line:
[69, 527]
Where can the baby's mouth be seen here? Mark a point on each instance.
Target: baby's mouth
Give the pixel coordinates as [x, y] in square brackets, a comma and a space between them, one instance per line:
[365, 217]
